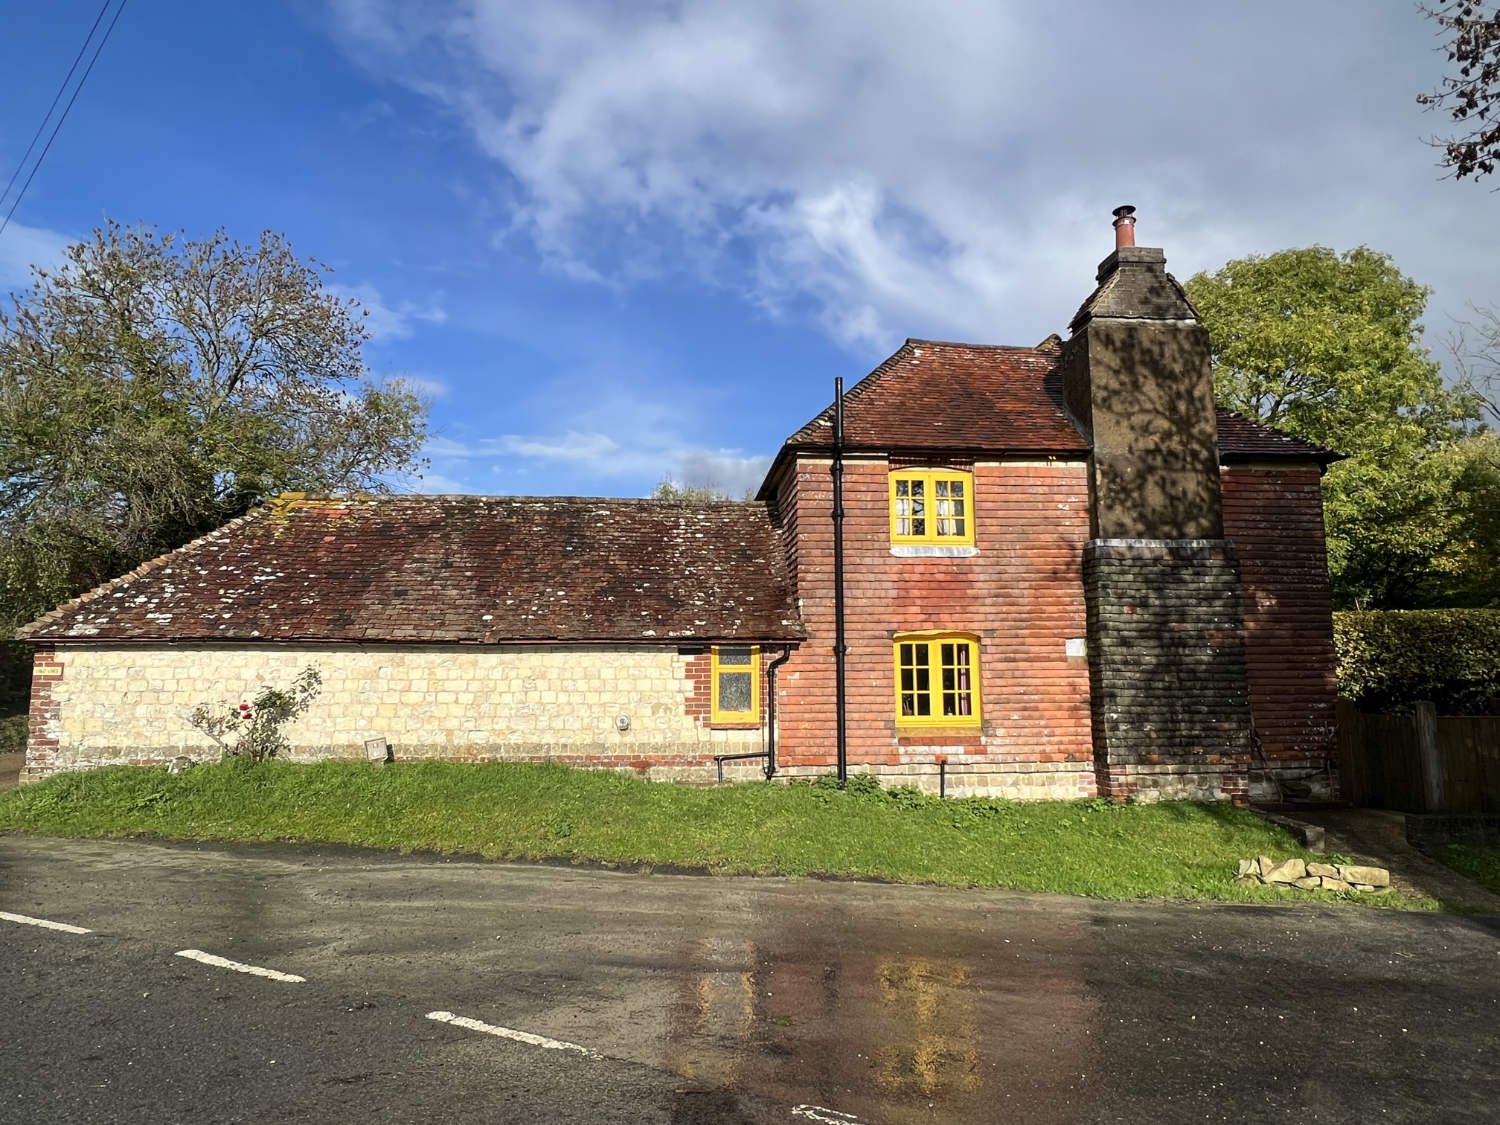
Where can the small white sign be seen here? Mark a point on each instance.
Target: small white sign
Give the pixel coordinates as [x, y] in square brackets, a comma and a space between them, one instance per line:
[377, 749]
[1076, 646]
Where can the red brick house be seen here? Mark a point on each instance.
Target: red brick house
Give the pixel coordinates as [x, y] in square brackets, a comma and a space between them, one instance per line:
[1065, 573]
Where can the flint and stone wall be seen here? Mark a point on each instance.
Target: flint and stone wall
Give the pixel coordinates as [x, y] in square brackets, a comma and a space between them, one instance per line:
[98, 704]
[1171, 713]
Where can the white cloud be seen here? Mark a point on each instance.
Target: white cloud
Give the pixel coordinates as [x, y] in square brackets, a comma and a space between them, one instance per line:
[387, 321]
[943, 168]
[423, 387]
[617, 437]
[591, 456]
[435, 484]
[22, 247]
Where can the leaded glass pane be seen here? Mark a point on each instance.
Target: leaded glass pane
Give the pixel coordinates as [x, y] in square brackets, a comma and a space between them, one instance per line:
[737, 654]
[734, 691]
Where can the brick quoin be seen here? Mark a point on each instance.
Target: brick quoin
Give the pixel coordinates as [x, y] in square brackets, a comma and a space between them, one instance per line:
[699, 700]
[45, 713]
[1021, 595]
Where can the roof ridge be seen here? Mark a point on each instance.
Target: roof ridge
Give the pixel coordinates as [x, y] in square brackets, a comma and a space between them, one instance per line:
[39, 623]
[977, 347]
[384, 497]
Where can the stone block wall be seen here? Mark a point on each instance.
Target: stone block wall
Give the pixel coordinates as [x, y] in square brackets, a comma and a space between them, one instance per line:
[1171, 713]
[101, 704]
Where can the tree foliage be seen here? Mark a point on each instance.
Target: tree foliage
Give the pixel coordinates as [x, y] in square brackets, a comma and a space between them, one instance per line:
[1328, 347]
[1471, 96]
[152, 388]
[669, 489]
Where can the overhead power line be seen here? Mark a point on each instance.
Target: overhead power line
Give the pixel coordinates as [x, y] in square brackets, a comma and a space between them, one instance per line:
[57, 97]
[77, 89]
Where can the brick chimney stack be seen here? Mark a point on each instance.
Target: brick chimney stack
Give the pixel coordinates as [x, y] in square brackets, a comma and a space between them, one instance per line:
[1167, 678]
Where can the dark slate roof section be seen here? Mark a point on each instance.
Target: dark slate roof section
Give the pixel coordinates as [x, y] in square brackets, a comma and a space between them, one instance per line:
[1243, 439]
[455, 569]
[936, 395]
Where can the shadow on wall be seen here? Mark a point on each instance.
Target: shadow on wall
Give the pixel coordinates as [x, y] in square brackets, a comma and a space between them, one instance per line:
[1143, 390]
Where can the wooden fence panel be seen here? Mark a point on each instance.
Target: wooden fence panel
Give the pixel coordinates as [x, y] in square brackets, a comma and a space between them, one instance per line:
[1381, 762]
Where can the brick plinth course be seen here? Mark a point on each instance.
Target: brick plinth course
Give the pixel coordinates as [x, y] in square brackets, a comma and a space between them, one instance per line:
[1171, 711]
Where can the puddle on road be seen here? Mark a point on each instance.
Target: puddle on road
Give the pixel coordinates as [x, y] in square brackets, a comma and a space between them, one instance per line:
[889, 1036]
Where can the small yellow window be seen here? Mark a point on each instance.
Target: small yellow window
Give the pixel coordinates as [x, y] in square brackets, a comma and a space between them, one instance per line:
[736, 680]
[932, 506]
[937, 680]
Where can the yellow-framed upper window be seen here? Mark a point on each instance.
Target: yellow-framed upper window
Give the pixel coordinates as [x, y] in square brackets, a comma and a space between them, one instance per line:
[736, 684]
[937, 680]
[932, 506]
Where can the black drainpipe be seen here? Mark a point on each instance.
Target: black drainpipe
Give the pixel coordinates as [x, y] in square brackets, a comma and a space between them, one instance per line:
[786, 654]
[840, 649]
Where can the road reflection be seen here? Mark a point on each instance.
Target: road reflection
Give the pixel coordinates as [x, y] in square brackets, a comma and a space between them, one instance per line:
[899, 1034]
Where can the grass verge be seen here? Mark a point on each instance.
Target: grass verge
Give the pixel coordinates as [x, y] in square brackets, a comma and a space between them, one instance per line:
[1480, 862]
[504, 811]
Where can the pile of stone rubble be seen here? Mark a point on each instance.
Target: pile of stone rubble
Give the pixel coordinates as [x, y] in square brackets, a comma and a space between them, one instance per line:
[1314, 876]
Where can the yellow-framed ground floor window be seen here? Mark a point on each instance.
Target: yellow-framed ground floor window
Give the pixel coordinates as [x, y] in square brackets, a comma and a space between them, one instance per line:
[937, 679]
[736, 684]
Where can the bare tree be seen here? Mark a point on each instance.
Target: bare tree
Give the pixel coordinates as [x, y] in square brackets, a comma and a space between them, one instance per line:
[1471, 96]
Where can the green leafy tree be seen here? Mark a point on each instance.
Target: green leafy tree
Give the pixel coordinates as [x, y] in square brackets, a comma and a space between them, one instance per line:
[152, 388]
[1328, 347]
[669, 489]
[1470, 95]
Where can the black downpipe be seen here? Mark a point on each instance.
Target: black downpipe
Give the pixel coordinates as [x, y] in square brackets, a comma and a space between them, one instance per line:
[840, 649]
[786, 654]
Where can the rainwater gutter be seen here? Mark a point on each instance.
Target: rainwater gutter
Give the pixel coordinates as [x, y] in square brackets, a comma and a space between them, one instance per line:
[840, 649]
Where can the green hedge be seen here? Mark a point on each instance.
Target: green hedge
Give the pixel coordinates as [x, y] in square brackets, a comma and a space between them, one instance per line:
[12, 734]
[1390, 659]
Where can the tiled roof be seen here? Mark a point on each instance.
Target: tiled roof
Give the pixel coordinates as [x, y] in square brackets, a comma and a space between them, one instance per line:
[933, 395]
[475, 569]
[979, 397]
[1244, 439]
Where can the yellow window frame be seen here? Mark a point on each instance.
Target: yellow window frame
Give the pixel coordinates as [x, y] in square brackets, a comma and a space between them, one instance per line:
[721, 667]
[947, 520]
[936, 681]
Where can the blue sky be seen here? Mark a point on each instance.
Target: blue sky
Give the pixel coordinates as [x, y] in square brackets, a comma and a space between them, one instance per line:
[618, 242]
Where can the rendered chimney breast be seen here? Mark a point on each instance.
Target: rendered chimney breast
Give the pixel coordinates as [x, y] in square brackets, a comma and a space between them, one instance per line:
[1124, 226]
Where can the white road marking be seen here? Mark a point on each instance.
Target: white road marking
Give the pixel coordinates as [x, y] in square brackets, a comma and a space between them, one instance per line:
[239, 966]
[819, 1113]
[42, 922]
[511, 1033]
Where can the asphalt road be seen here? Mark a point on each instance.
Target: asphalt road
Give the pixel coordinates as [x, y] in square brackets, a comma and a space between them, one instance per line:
[602, 997]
